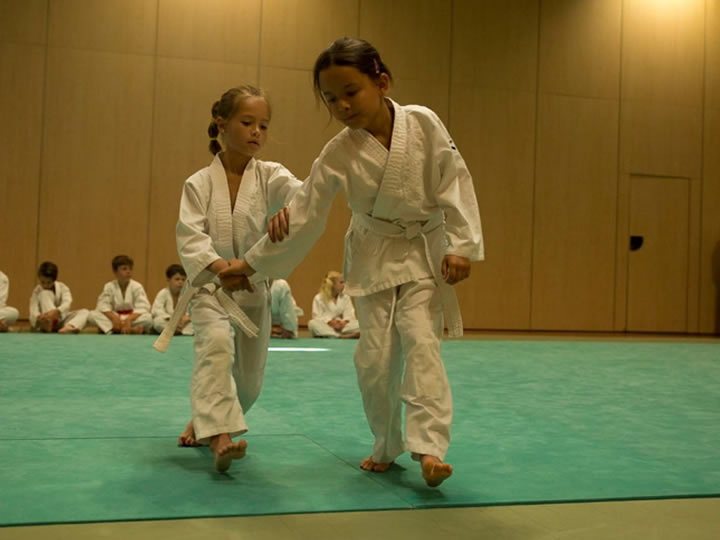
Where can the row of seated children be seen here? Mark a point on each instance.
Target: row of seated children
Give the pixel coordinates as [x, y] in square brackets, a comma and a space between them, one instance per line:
[123, 306]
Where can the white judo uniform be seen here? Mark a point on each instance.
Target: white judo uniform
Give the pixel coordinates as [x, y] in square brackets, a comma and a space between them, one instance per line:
[162, 309]
[411, 206]
[229, 365]
[7, 313]
[324, 311]
[60, 298]
[284, 311]
[111, 298]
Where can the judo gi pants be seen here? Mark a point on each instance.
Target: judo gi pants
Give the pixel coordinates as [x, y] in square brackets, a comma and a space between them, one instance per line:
[398, 361]
[9, 314]
[105, 324]
[78, 318]
[229, 366]
[323, 329]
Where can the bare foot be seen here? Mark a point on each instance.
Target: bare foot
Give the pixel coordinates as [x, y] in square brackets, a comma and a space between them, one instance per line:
[135, 330]
[434, 471]
[368, 464]
[354, 335]
[226, 450]
[68, 329]
[187, 437]
[3, 326]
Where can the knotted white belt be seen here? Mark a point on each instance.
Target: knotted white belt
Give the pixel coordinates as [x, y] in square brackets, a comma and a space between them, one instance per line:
[237, 316]
[451, 307]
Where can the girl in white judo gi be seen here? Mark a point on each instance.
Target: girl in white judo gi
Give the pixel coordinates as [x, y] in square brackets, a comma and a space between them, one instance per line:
[224, 211]
[415, 228]
[50, 304]
[333, 314]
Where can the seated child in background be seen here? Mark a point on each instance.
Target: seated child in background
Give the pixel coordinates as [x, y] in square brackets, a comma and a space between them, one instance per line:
[333, 314]
[122, 307]
[283, 310]
[50, 304]
[8, 315]
[166, 299]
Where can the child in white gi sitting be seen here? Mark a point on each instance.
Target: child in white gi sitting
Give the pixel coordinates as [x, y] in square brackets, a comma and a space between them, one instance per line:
[165, 301]
[284, 312]
[50, 304]
[415, 228]
[333, 314]
[122, 307]
[8, 315]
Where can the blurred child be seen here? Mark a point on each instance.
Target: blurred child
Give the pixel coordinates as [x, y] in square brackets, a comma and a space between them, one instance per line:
[8, 315]
[50, 304]
[122, 307]
[283, 310]
[333, 314]
[166, 300]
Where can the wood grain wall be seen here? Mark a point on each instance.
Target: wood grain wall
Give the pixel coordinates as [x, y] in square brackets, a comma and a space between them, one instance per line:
[563, 109]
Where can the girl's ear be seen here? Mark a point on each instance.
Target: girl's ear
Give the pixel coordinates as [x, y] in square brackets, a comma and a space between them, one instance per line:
[383, 83]
[221, 124]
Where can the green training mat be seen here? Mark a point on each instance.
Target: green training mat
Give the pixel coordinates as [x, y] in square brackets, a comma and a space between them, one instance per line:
[89, 426]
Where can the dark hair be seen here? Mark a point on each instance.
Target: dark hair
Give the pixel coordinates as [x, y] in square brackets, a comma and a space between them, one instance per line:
[121, 260]
[175, 269]
[226, 106]
[48, 270]
[352, 52]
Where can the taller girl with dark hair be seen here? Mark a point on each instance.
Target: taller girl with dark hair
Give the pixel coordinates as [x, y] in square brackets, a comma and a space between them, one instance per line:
[224, 211]
[415, 228]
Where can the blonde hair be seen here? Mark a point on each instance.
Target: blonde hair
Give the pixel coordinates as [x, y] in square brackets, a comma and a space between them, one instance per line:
[327, 284]
[225, 108]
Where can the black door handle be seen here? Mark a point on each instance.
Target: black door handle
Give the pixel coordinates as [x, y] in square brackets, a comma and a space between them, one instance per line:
[636, 242]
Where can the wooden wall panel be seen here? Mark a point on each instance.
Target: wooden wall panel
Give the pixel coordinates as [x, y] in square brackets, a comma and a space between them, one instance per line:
[710, 255]
[300, 126]
[574, 229]
[709, 312]
[661, 122]
[495, 44]
[495, 132]
[95, 165]
[294, 32]
[23, 21]
[658, 271]
[492, 119]
[22, 71]
[214, 30]
[663, 51]
[413, 37]
[662, 139]
[184, 93]
[580, 48]
[126, 26]
[712, 52]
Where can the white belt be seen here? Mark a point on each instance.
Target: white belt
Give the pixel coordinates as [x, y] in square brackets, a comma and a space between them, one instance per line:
[451, 307]
[237, 316]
